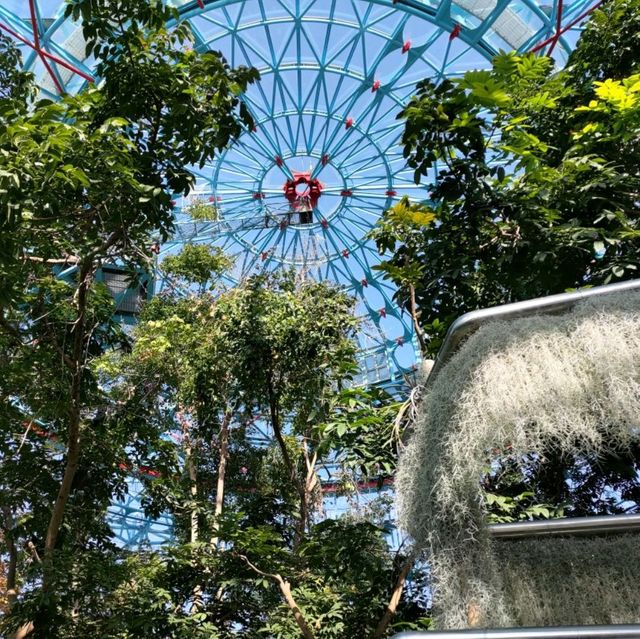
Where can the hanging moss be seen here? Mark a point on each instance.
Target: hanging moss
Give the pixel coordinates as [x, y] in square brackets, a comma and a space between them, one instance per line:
[538, 582]
[581, 580]
[567, 384]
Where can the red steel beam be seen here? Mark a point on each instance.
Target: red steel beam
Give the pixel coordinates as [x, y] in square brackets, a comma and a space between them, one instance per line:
[558, 27]
[566, 28]
[46, 54]
[36, 40]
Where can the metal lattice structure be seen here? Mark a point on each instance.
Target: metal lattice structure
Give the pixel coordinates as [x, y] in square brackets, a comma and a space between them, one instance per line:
[304, 188]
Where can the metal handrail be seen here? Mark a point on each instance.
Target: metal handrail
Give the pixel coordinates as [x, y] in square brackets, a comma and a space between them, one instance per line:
[596, 525]
[470, 322]
[620, 631]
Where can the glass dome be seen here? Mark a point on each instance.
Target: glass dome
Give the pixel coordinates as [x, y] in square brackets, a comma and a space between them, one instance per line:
[334, 75]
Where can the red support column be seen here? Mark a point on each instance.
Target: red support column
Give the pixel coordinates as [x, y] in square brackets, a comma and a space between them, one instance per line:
[46, 54]
[36, 39]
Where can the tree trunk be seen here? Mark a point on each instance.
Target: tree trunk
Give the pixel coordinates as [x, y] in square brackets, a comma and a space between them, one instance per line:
[291, 467]
[416, 324]
[192, 472]
[396, 596]
[285, 588]
[275, 424]
[306, 493]
[12, 565]
[23, 631]
[12, 592]
[73, 444]
[222, 469]
[77, 365]
[193, 490]
[193, 481]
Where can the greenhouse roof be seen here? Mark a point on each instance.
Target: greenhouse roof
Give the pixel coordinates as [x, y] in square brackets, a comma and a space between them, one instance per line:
[334, 75]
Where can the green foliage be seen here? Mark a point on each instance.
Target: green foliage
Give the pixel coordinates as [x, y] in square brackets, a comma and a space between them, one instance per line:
[504, 508]
[88, 181]
[270, 354]
[198, 263]
[554, 485]
[609, 45]
[37, 389]
[15, 84]
[159, 109]
[188, 99]
[291, 342]
[532, 179]
[202, 211]
[533, 183]
[363, 431]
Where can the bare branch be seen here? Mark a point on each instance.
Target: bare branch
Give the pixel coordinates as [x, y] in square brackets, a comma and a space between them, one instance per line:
[396, 596]
[69, 259]
[285, 589]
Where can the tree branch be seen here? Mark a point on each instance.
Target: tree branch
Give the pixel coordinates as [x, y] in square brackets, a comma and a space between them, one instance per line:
[70, 259]
[12, 551]
[285, 589]
[23, 631]
[275, 424]
[193, 479]
[396, 595]
[416, 324]
[222, 468]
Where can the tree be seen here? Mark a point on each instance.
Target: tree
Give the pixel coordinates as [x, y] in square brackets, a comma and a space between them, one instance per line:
[15, 84]
[533, 177]
[86, 181]
[248, 380]
[533, 181]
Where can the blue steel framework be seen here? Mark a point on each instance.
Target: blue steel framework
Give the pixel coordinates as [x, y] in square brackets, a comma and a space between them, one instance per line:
[334, 75]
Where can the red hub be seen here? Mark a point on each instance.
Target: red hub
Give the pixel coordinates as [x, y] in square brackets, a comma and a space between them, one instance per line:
[303, 191]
